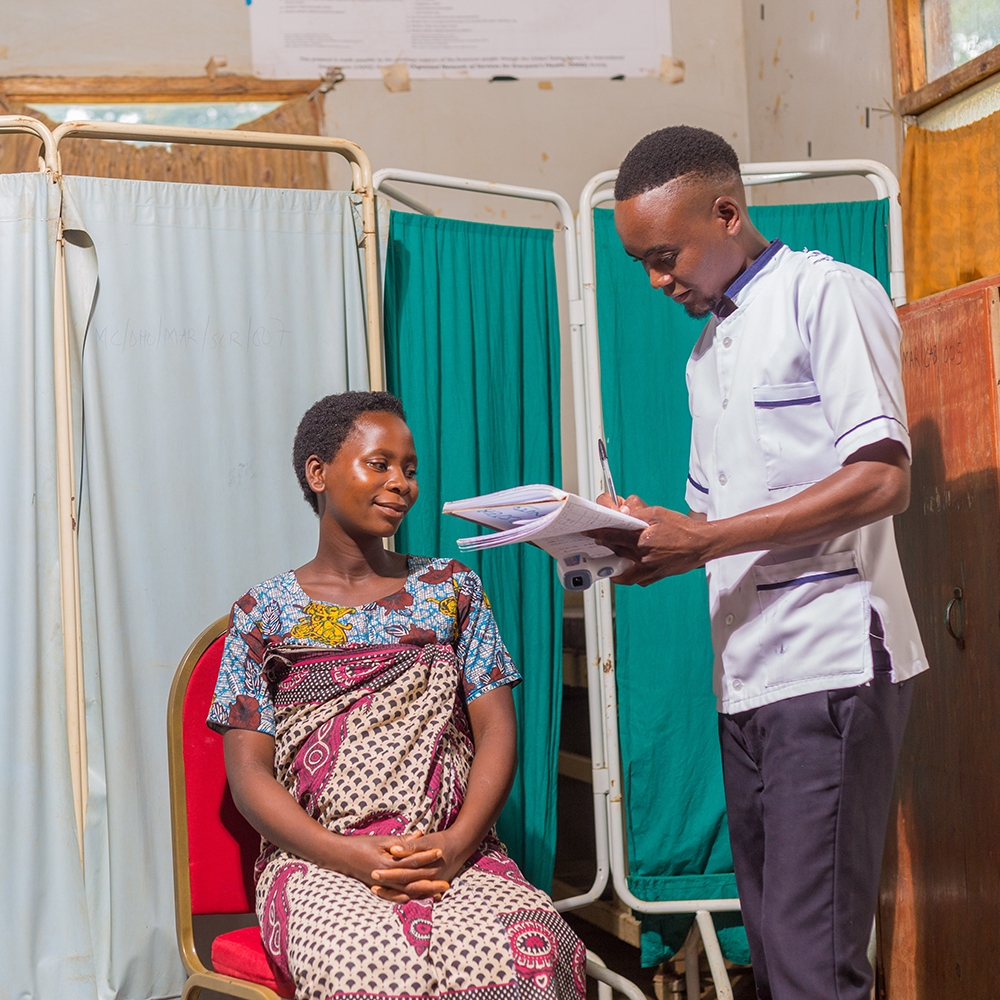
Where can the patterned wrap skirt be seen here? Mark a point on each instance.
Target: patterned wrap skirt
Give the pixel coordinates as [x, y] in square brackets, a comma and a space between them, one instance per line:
[373, 741]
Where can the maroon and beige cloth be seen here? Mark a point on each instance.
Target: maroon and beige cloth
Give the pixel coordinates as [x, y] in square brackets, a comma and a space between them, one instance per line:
[376, 740]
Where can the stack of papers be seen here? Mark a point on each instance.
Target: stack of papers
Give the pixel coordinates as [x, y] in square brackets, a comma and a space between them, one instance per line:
[551, 518]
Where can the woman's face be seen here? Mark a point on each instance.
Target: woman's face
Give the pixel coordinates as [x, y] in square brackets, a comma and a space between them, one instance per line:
[371, 482]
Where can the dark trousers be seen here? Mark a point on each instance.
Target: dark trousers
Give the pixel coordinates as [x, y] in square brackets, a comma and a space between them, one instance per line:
[808, 786]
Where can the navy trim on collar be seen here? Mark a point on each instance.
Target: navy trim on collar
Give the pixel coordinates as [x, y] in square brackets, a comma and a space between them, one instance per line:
[748, 275]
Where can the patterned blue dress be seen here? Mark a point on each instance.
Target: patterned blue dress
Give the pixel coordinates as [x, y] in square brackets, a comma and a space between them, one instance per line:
[369, 746]
[442, 601]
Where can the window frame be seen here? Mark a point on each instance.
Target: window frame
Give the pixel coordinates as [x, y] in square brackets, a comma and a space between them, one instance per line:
[149, 89]
[914, 93]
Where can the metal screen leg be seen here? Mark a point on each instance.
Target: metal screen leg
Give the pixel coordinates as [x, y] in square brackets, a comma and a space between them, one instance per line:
[723, 988]
[608, 980]
[604, 991]
[692, 979]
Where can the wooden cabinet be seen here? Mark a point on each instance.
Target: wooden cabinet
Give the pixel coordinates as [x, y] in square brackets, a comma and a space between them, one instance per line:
[939, 906]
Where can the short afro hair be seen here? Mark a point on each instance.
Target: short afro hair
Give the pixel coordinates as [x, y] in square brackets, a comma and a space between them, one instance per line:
[325, 425]
[675, 152]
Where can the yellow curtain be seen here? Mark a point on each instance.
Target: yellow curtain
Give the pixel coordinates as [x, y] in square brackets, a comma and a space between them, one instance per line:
[951, 206]
[184, 162]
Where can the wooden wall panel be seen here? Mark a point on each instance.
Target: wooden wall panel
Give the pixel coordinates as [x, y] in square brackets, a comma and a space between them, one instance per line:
[185, 162]
[939, 936]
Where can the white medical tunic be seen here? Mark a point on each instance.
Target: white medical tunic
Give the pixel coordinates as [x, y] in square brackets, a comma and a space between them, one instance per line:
[803, 373]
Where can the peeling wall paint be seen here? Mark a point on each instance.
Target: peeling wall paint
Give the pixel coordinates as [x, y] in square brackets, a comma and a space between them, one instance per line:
[819, 78]
[124, 37]
[554, 137]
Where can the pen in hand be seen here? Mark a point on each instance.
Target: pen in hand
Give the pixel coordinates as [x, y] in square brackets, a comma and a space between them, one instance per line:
[609, 486]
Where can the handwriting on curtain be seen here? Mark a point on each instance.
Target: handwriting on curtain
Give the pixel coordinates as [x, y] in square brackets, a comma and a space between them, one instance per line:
[206, 336]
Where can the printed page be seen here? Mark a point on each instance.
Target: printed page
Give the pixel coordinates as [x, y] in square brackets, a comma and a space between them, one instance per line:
[459, 39]
[584, 515]
[521, 531]
[563, 526]
[508, 508]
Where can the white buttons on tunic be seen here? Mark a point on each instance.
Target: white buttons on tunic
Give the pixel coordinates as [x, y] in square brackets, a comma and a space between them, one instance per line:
[725, 403]
[781, 648]
[730, 619]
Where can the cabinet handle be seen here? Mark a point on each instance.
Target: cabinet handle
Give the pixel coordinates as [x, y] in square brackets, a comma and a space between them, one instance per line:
[959, 635]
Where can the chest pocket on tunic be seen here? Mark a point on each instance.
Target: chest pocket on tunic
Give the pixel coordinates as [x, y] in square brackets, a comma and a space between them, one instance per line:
[793, 434]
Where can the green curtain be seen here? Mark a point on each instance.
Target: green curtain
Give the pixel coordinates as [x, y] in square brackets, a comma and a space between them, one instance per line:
[472, 349]
[856, 232]
[678, 839]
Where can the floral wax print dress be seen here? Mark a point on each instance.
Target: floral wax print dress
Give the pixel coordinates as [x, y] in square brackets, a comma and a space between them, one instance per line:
[367, 707]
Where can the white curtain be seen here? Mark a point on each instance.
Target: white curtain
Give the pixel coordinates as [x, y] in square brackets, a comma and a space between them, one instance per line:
[222, 314]
[45, 942]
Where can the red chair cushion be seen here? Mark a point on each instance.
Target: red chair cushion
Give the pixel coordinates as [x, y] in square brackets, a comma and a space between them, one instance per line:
[222, 846]
[241, 954]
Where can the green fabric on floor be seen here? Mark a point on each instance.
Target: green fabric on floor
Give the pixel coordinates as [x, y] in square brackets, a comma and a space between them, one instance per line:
[678, 839]
[472, 349]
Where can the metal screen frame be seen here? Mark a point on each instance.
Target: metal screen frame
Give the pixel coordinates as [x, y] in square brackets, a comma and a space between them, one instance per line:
[66, 499]
[586, 402]
[32, 126]
[361, 175]
[586, 399]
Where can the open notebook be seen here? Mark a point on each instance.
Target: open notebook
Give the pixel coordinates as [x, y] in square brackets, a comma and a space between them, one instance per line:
[550, 518]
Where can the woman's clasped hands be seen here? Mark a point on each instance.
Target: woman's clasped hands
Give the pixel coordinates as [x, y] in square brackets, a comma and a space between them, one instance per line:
[401, 869]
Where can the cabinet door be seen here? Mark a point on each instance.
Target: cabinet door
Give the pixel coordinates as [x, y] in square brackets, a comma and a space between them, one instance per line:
[939, 930]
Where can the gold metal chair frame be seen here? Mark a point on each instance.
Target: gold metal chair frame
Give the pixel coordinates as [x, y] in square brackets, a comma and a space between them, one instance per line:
[199, 977]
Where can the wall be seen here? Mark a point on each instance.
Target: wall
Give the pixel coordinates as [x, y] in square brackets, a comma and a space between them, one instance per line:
[507, 131]
[122, 37]
[821, 73]
[519, 133]
[514, 132]
[557, 138]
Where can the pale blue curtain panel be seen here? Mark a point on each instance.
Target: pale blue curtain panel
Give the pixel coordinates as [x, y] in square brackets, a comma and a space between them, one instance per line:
[204, 321]
[45, 934]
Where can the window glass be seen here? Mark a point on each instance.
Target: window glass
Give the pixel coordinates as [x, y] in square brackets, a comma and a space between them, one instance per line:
[956, 31]
[221, 114]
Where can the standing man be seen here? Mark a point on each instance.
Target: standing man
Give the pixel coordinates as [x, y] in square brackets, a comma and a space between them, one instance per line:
[799, 459]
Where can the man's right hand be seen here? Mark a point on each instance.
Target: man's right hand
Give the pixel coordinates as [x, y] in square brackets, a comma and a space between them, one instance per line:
[621, 541]
[668, 546]
[605, 501]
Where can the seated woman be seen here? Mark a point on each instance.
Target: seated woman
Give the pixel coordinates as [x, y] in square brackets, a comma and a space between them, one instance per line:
[370, 738]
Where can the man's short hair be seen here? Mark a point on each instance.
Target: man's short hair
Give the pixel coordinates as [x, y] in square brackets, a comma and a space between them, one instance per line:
[675, 152]
[325, 425]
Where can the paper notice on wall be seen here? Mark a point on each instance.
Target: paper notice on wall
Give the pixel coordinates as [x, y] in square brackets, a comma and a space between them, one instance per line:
[300, 39]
